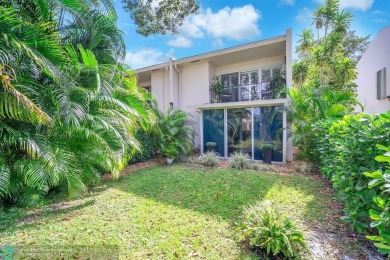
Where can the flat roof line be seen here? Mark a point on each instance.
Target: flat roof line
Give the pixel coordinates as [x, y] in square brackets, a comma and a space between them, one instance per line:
[215, 53]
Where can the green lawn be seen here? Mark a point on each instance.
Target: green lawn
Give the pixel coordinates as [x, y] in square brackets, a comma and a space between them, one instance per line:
[164, 212]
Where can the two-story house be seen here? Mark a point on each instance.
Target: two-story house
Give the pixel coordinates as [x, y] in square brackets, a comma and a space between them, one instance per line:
[373, 84]
[245, 110]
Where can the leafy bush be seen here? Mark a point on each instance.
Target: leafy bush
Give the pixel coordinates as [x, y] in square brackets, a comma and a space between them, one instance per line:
[209, 159]
[240, 161]
[175, 133]
[146, 147]
[265, 228]
[380, 212]
[344, 150]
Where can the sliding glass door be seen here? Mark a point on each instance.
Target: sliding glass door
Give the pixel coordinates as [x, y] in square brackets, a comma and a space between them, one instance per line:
[245, 130]
[268, 129]
[239, 130]
[213, 130]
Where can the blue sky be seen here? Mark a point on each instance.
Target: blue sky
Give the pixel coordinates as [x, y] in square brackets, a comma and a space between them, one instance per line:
[222, 24]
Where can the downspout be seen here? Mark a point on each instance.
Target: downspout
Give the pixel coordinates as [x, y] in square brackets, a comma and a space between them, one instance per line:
[179, 85]
[170, 83]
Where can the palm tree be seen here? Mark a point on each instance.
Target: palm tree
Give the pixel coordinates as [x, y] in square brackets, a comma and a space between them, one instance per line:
[68, 109]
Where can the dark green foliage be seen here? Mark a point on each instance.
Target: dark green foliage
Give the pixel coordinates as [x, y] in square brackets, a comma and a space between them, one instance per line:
[146, 151]
[266, 228]
[324, 76]
[166, 16]
[344, 150]
[380, 212]
[174, 133]
[68, 110]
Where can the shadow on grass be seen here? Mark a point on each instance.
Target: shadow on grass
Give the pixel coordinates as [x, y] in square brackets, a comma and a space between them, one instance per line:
[19, 218]
[214, 192]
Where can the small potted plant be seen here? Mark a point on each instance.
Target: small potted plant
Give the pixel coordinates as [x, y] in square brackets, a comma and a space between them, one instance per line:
[267, 152]
[169, 151]
[211, 146]
[217, 88]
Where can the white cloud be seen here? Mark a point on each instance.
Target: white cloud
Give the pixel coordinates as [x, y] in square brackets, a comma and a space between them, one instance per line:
[352, 4]
[191, 30]
[218, 44]
[304, 15]
[236, 23]
[356, 4]
[146, 57]
[180, 42]
[287, 2]
[379, 12]
[380, 20]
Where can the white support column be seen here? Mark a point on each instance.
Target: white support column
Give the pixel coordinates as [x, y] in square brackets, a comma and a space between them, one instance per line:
[225, 132]
[201, 131]
[253, 133]
[285, 140]
[170, 83]
[288, 144]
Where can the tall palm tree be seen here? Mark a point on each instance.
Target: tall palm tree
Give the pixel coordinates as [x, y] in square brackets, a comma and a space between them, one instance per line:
[68, 109]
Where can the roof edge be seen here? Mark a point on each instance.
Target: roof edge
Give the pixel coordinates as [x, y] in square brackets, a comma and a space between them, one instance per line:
[215, 53]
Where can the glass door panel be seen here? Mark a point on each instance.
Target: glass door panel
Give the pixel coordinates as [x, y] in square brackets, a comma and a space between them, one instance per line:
[268, 128]
[213, 130]
[239, 130]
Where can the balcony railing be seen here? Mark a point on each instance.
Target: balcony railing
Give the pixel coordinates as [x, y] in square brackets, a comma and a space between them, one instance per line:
[259, 91]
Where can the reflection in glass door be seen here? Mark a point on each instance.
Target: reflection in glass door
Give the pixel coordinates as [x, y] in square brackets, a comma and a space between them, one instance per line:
[268, 129]
[213, 130]
[239, 130]
[245, 130]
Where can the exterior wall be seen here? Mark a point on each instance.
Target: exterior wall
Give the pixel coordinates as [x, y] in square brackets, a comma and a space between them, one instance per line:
[144, 84]
[195, 81]
[376, 57]
[191, 86]
[160, 88]
[250, 65]
[175, 99]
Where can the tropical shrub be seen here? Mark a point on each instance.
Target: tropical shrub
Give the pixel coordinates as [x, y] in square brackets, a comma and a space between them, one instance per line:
[68, 110]
[209, 159]
[266, 228]
[380, 211]
[174, 132]
[146, 150]
[240, 161]
[345, 149]
[324, 75]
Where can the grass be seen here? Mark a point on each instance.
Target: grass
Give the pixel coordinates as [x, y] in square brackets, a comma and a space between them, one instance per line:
[166, 212]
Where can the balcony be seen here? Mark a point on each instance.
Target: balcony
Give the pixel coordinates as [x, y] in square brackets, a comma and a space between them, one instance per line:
[248, 92]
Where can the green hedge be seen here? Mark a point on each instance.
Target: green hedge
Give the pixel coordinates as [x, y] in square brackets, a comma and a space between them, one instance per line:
[344, 150]
[147, 147]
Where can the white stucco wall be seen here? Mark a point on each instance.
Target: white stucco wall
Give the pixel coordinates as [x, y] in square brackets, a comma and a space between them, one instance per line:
[250, 65]
[157, 80]
[160, 88]
[376, 57]
[195, 91]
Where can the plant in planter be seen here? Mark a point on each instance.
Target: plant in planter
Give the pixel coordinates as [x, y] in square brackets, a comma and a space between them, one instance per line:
[174, 133]
[170, 152]
[217, 88]
[267, 152]
[211, 146]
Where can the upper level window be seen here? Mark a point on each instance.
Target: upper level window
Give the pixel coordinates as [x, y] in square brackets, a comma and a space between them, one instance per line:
[381, 84]
[250, 77]
[230, 79]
